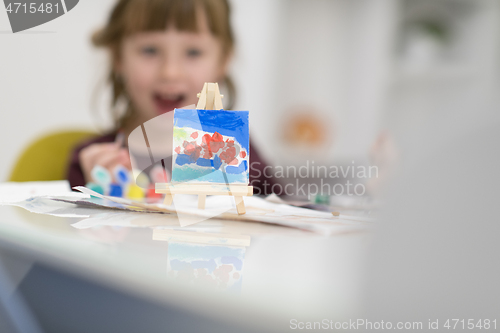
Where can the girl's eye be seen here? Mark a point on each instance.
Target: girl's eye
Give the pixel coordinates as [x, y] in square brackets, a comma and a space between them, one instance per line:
[193, 53]
[149, 50]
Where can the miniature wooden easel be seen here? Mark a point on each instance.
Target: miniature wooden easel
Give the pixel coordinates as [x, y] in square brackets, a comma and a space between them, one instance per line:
[209, 99]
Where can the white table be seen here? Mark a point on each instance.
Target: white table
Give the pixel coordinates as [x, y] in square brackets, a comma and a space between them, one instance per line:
[287, 274]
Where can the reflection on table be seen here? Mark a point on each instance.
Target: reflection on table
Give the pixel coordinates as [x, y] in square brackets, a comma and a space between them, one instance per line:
[208, 260]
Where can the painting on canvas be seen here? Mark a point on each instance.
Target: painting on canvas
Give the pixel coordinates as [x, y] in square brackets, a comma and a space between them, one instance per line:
[210, 146]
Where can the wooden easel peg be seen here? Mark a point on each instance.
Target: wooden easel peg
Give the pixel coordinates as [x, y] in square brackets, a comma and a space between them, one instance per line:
[210, 97]
[201, 201]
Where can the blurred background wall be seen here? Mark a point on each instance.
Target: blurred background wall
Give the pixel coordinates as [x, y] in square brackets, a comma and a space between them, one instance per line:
[322, 78]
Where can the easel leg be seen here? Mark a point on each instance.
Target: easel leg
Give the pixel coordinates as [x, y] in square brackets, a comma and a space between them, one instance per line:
[168, 199]
[201, 201]
[240, 205]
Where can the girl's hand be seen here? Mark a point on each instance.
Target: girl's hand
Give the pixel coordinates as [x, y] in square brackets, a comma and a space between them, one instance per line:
[107, 155]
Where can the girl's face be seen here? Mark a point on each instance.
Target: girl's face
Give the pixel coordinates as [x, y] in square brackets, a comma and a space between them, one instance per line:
[166, 69]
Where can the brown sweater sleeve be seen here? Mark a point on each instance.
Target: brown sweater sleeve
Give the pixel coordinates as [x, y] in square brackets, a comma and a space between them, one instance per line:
[74, 172]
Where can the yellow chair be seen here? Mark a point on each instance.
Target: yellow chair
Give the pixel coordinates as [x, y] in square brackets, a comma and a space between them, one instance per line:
[47, 158]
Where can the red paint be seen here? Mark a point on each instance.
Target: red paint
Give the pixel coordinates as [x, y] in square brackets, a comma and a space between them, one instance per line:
[189, 148]
[177, 150]
[243, 154]
[197, 153]
[158, 175]
[229, 156]
[216, 143]
[217, 137]
[205, 152]
[222, 272]
[206, 139]
[151, 194]
[216, 146]
[194, 135]
[192, 149]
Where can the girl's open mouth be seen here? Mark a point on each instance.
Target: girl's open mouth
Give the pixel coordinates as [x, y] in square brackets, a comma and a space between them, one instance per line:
[168, 102]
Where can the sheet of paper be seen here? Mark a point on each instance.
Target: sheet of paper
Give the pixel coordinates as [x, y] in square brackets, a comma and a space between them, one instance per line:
[257, 210]
[125, 203]
[16, 192]
[46, 205]
[184, 211]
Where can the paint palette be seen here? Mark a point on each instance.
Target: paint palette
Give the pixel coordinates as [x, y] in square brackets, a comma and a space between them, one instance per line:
[120, 183]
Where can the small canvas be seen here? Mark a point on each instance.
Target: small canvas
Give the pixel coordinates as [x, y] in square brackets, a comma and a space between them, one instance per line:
[210, 146]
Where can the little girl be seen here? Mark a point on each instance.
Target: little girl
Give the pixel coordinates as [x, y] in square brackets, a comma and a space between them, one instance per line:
[162, 52]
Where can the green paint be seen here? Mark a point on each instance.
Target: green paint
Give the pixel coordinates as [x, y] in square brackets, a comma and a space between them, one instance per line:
[180, 134]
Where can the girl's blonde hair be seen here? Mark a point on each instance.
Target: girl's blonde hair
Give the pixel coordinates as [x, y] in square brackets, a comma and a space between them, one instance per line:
[132, 16]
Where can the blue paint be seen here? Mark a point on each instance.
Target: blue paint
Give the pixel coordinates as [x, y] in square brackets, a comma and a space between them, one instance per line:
[178, 265]
[237, 169]
[217, 162]
[183, 159]
[238, 264]
[192, 158]
[189, 159]
[122, 175]
[210, 265]
[204, 162]
[115, 190]
[228, 123]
